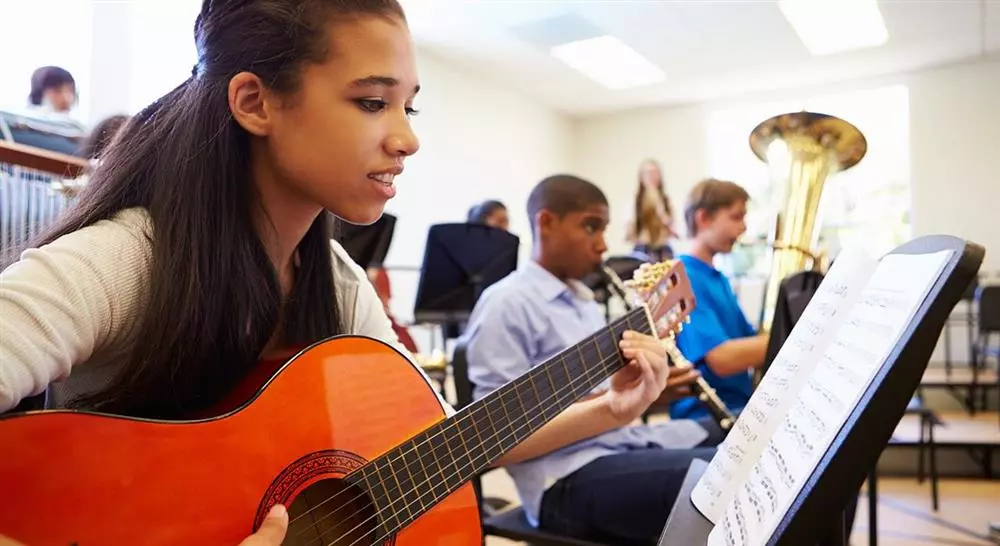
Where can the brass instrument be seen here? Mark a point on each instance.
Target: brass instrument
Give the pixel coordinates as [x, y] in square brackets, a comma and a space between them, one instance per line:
[700, 388]
[802, 149]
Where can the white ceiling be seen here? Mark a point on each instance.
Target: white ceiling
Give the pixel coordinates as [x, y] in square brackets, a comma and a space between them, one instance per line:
[710, 49]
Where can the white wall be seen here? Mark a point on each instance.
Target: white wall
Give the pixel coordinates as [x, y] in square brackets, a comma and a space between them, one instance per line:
[954, 155]
[955, 148]
[477, 141]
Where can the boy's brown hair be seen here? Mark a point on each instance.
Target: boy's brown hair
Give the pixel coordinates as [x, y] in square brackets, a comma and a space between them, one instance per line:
[711, 195]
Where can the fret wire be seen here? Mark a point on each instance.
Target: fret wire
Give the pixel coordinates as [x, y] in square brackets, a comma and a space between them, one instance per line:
[408, 480]
[434, 452]
[538, 397]
[475, 428]
[510, 422]
[465, 448]
[523, 414]
[538, 382]
[451, 454]
[541, 385]
[569, 376]
[615, 360]
[394, 510]
[493, 426]
[597, 345]
[548, 374]
[582, 364]
[584, 382]
[420, 460]
[428, 460]
[380, 501]
[491, 436]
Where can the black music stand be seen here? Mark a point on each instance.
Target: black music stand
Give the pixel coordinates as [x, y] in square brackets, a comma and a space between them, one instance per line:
[368, 245]
[794, 294]
[460, 261]
[859, 443]
[599, 283]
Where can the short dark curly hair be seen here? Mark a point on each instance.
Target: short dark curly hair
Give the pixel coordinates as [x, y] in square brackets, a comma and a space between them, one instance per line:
[562, 194]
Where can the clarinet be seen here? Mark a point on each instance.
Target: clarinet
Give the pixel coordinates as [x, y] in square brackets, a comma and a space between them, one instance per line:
[701, 389]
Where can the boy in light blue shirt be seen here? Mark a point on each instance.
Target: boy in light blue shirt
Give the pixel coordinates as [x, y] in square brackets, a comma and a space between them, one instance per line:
[618, 484]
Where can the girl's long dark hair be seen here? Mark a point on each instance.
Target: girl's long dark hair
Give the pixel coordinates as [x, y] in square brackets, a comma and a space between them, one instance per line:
[214, 300]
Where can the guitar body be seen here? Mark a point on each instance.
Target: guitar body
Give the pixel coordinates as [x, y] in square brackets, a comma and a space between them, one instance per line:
[75, 478]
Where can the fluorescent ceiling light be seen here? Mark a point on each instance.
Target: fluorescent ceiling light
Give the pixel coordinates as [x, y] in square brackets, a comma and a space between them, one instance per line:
[834, 26]
[609, 62]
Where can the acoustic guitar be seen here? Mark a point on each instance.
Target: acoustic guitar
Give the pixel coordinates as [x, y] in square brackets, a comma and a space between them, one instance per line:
[347, 434]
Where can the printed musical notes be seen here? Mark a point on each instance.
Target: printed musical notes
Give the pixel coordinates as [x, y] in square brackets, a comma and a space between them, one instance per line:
[817, 402]
[788, 373]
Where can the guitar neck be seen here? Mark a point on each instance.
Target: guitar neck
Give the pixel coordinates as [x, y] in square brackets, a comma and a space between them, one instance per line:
[415, 475]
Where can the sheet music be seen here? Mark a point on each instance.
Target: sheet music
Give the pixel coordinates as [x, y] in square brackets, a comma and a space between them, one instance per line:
[869, 333]
[792, 366]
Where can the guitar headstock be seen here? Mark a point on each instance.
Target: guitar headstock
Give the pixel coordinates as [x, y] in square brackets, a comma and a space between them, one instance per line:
[666, 290]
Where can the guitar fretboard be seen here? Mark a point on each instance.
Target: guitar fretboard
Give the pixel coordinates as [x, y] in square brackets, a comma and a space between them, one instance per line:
[412, 477]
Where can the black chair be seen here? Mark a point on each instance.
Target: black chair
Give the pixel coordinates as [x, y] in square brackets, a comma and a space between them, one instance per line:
[969, 318]
[988, 318]
[499, 518]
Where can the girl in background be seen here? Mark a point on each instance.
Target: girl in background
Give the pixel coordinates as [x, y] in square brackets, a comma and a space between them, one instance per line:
[650, 230]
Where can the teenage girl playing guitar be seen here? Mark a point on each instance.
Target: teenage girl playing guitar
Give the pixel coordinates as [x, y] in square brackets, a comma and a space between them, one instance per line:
[201, 244]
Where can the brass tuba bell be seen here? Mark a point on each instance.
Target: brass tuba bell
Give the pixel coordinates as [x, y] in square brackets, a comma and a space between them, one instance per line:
[801, 149]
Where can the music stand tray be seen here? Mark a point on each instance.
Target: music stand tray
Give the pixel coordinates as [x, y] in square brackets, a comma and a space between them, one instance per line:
[460, 261]
[856, 448]
[685, 524]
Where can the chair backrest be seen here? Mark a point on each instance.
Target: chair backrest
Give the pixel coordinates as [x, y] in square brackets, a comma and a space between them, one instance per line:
[460, 374]
[988, 308]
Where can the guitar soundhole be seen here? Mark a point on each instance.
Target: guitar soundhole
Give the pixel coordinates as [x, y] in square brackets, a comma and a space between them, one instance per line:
[331, 512]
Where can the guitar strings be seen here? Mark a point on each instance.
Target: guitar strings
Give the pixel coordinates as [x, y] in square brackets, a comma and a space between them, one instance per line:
[654, 300]
[463, 416]
[560, 398]
[391, 506]
[442, 472]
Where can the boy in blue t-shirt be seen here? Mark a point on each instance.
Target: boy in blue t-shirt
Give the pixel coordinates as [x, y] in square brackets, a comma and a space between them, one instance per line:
[719, 341]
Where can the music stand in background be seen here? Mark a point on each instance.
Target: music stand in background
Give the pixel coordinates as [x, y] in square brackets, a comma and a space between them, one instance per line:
[460, 261]
[367, 245]
[794, 294]
[597, 282]
[857, 446]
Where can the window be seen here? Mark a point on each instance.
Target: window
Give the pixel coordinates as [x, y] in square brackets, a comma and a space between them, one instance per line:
[868, 205]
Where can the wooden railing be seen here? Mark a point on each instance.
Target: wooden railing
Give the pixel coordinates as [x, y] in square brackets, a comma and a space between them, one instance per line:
[36, 186]
[53, 163]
